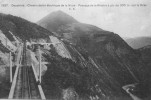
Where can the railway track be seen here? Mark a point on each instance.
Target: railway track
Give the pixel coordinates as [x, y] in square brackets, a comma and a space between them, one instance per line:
[26, 87]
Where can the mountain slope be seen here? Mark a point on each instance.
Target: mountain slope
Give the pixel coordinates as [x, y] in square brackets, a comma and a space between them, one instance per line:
[109, 53]
[146, 54]
[65, 25]
[138, 42]
[21, 28]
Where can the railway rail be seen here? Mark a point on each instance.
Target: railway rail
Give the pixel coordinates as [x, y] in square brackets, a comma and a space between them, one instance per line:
[24, 84]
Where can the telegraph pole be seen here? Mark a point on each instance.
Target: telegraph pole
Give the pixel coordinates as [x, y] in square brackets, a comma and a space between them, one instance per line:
[39, 63]
[10, 64]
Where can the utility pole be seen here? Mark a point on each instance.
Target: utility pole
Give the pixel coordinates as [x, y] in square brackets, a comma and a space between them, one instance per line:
[10, 64]
[39, 63]
[25, 53]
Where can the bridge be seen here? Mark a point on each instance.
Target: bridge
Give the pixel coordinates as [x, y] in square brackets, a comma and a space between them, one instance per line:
[26, 84]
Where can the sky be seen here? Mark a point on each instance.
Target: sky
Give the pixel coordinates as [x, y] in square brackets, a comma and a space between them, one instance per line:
[132, 20]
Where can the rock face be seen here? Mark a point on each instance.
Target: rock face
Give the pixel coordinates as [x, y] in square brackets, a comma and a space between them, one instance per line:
[104, 54]
[70, 94]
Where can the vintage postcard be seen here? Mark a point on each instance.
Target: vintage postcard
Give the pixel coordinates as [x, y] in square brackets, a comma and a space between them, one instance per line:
[75, 49]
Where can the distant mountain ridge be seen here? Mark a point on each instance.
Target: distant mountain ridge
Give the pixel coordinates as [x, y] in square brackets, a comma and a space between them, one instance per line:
[138, 42]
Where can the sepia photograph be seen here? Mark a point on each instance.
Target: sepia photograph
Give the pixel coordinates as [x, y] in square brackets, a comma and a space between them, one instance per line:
[75, 49]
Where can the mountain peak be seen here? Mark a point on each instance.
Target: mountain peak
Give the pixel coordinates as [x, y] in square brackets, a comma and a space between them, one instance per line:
[59, 17]
[59, 12]
[56, 19]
